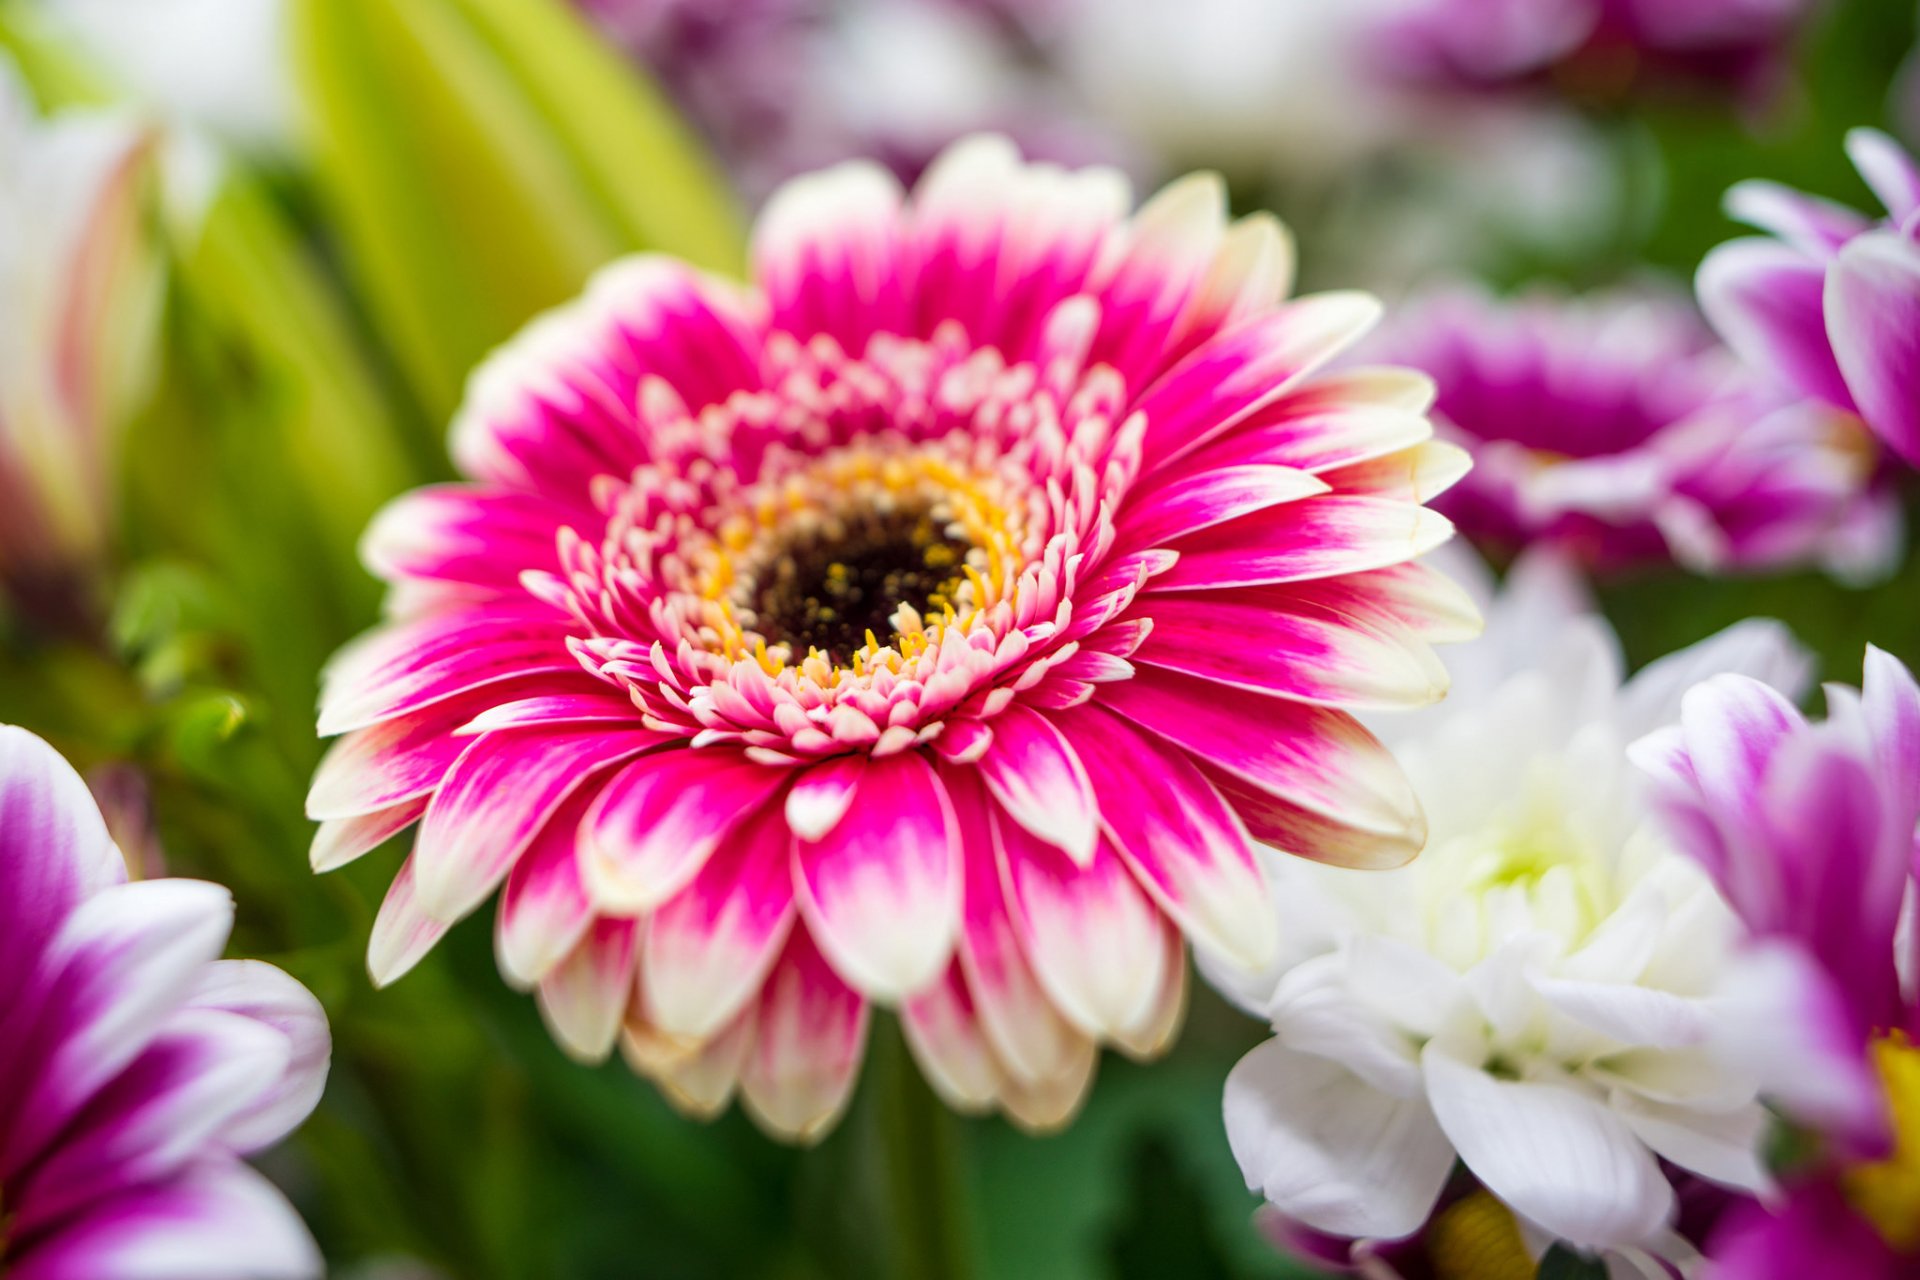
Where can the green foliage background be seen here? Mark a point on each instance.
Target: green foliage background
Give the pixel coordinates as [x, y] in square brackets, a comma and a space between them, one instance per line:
[472, 162]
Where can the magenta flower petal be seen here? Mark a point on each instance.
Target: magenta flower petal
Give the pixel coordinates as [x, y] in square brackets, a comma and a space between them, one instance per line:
[809, 1033]
[493, 802]
[136, 1068]
[218, 1221]
[708, 950]
[1179, 836]
[1031, 768]
[44, 806]
[771, 603]
[544, 908]
[1873, 317]
[882, 889]
[659, 819]
[1090, 931]
[1832, 311]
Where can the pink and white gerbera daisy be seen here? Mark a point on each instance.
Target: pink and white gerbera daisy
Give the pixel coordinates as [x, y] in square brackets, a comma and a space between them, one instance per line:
[928, 625]
[136, 1067]
[1613, 426]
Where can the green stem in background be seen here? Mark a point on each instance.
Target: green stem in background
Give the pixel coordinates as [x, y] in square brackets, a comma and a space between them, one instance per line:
[919, 1150]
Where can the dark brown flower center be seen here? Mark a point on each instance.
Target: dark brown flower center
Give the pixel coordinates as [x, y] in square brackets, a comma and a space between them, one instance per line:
[830, 586]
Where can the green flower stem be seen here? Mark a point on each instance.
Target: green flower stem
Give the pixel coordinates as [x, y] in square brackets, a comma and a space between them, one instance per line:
[923, 1190]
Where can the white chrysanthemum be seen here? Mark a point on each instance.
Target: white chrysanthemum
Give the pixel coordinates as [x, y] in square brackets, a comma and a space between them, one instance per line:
[1549, 993]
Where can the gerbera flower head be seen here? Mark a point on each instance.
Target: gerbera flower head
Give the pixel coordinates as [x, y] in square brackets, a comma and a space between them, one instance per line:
[1832, 304]
[136, 1066]
[1614, 427]
[926, 625]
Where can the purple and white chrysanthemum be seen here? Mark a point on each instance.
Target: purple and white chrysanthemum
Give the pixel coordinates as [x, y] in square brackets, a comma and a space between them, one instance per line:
[1809, 829]
[137, 1068]
[1596, 48]
[928, 625]
[1832, 305]
[1616, 428]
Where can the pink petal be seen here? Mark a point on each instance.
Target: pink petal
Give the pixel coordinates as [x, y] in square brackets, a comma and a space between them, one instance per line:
[407, 665]
[810, 1035]
[496, 797]
[1321, 537]
[263, 993]
[1181, 840]
[945, 1038]
[1309, 757]
[544, 911]
[1168, 250]
[1031, 769]
[466, 534]
[393, 763]
[1048, 1105]
[121, 964]
[403, 933]
[162, 1111]
[55, 853]
[881, 893]
[340, 841]
[821, 796]
[1313, 436]
[587, 707]
[1413, 596]
[1306, 834]
[1888, 169]
[1304, 653]
[1248, 366]
[659, 819]
[1765, 300]
[826, 252]
[1209, 498]
[218, 1221]
[1873, 316]
[1813, 226]
[708, 949]
[1027, 1033]
[1090, 933]
[582, 1000]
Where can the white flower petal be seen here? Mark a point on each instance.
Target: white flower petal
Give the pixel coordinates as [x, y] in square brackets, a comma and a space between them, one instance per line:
[1553, 1153]
[1328, 1150]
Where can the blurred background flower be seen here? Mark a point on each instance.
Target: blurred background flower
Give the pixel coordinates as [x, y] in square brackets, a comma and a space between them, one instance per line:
[82, 273]
[1614, 427]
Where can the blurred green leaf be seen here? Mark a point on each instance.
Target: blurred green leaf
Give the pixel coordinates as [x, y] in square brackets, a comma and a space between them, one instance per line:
[482, 158]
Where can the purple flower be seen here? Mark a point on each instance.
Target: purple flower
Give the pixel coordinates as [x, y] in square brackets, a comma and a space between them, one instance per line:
[1833, 304]
[1617, 428]
[1596, 48]
[136, 1067]
[1809, 829]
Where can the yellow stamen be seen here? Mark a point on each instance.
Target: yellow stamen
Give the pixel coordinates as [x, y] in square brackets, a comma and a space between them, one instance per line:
[1887, 1192]
[1476, 1238]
